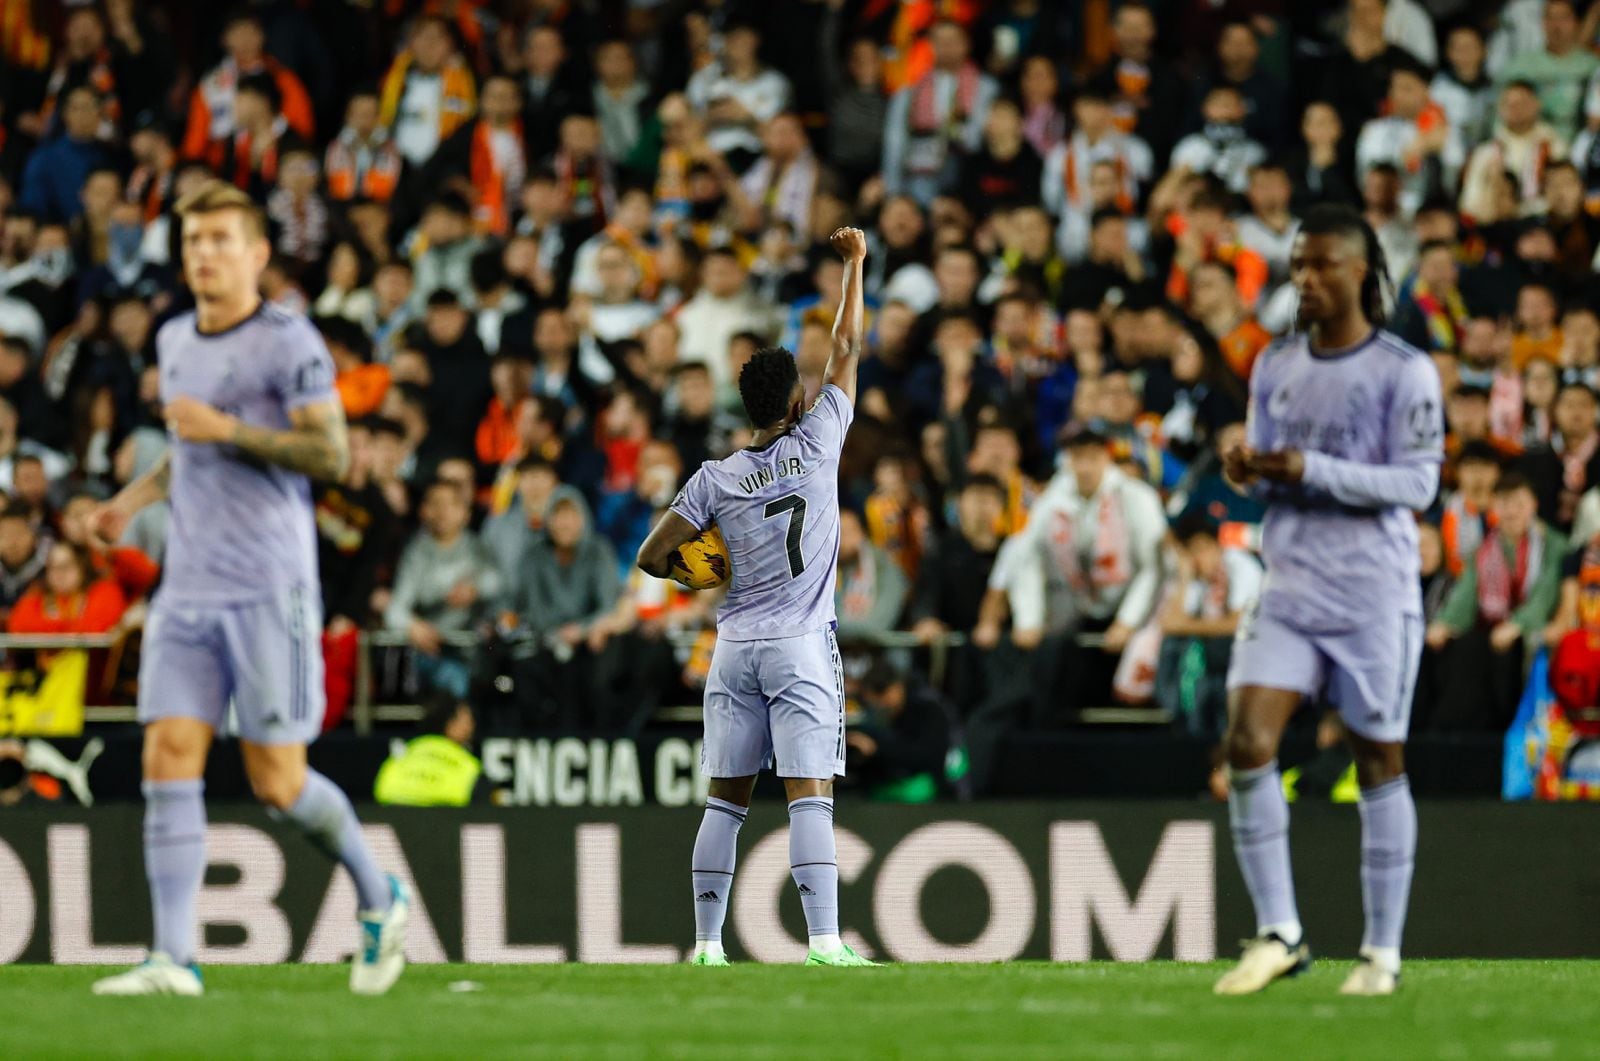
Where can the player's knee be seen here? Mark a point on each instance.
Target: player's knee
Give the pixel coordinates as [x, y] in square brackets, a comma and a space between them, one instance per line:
[171, 754]
[1249, 746]
[277, 789]
[1378, 764]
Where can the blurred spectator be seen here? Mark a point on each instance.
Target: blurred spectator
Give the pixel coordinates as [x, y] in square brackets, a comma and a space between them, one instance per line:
[1238, 65]
[1006, 170]
[620, 98]
[737, 95]
[512, 528]
[1413, 136]
[871, 590]
[897, 747]
[857, 108]
[1432, 314]
[1501, 604]
[566, 588]
[447, 583]
[779, 186]
[446, 247]
[437, 767]
[252, 154]
[551, 87]
[1070, 169]
[935, 122]
[58, 168]
[22, 554]
[1469, 515]
[491, 154]
[298, 213]
[626, 514]
[1222, 148]
[212, 121]
[362, 162]
[1562, 471]
[1212, 590]
[460, 391]
[723, 307]
[392, 312]
[1146, 95]
[585, 179]
[69, 598]
[428, 92]
[134, 572]
[1356, 76]
[895, 517]
[1207, 395]
[1091, 565]
[1560, 70]
[358, 539]
[1521, 146]
[1320, 166]
[1463, 88]
[1538, 325]
[1214, 302]
[1269, 227]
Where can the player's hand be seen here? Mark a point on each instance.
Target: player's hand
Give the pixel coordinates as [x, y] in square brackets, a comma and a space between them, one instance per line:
[463, 594]
[1238, 466]
[107, 523]
[1283, 466]
[195, 421]
[1115, 639]
[929, 630]
[862, 744]
[1505, 635]
[1438, 636]
[425, 637]
[851, 243]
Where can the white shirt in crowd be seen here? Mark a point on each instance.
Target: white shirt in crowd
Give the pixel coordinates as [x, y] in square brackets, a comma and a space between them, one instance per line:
[764, 96]
[1230, 161]
[416, 128]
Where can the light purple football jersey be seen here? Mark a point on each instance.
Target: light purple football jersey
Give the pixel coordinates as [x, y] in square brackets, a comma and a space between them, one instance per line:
[1341, 546]
[778, 508]
[241, 529]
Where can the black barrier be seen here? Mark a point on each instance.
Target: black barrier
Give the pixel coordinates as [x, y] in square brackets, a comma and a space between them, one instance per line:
[661, 766]
[1129, 881]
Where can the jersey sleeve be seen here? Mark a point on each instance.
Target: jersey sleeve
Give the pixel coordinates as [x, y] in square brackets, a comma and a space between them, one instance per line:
[302, 369]
[1416, 415]
[695, 501]
[829, 419]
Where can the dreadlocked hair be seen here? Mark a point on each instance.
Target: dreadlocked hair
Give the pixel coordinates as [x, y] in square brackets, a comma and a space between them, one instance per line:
[1377, 288]
[766, 384]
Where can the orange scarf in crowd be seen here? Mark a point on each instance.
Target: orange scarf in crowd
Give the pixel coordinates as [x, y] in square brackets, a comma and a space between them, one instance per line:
[458, 102]
[101, 78]
[1069, 179]
[491, 181]
[377, 183]
[911, 55]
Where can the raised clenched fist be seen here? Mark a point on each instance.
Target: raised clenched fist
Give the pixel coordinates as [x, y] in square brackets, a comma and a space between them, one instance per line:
[851, 243]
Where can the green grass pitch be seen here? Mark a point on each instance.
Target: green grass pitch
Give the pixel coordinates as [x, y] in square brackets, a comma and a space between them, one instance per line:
[1446, 1009]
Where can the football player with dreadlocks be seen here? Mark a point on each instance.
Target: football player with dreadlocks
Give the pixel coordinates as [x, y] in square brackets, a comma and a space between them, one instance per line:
[1344, 444]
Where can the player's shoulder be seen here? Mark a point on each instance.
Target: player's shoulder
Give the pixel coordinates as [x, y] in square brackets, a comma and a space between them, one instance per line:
[177, 328]
[1283, 347]
[279, 323]
[1389, 343]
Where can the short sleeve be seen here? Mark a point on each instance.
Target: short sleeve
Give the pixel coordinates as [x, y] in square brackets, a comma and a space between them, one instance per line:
[828, 419]
[1416, 415]
[695, 501]
[303, 369]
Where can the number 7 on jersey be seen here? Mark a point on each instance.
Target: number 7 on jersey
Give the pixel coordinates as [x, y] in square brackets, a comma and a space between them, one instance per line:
[795, 505]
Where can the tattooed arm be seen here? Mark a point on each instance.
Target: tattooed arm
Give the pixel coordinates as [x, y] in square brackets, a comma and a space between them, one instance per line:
[315, 445]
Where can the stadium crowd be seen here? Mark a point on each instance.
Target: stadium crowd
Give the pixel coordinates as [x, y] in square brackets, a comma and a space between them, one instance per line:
[542, 237]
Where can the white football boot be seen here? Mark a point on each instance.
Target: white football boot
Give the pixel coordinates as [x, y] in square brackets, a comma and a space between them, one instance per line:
[1265, 959]
[383, 944]
[157, 975]
[1370, 978]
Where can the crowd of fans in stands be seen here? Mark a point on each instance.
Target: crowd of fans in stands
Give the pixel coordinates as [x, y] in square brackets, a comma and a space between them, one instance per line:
[542, 237]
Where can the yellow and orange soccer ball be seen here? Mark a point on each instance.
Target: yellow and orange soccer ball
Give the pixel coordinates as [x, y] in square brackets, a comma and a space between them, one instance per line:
[703, 562]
